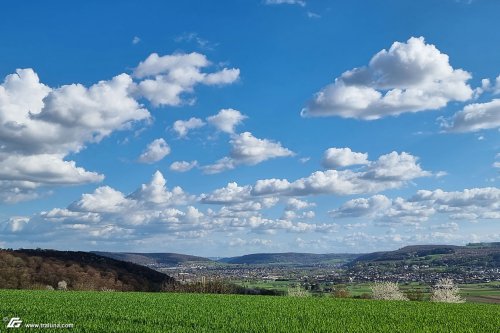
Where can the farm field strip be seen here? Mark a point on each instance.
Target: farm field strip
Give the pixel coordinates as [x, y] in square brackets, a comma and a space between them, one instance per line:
[169, 312]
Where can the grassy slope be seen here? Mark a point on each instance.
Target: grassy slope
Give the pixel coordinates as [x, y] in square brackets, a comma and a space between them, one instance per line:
[163, 312]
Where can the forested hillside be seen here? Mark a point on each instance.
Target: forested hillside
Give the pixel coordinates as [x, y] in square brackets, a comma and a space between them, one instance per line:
[44, 269]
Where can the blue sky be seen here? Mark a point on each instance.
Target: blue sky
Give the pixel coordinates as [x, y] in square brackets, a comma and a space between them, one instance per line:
[231, 127]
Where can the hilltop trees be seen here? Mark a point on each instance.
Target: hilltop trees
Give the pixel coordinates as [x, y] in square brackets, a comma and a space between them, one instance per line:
[65, 270]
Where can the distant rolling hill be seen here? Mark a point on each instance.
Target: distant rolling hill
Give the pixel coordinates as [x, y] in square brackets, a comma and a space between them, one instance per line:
[154, 259]
[475, 254]
[28, 269]
[174, 259]
[290, 258]
[408, 252]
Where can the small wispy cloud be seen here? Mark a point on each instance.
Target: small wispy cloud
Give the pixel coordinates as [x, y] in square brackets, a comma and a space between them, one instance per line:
[313, 15]
[285, 2]
[136, 40]
[193, 37]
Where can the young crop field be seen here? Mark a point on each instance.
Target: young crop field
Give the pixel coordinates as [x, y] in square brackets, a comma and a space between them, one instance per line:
[168, 312]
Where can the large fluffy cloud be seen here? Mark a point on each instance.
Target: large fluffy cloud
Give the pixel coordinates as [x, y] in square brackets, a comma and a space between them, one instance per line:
[36, 119]
[40, 126]
[409, 77]
[166, 78]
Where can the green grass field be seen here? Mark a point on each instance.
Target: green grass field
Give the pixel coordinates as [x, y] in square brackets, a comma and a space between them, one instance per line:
[167, 312]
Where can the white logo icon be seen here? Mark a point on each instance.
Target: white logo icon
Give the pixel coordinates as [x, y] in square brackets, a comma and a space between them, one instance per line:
[14, 323]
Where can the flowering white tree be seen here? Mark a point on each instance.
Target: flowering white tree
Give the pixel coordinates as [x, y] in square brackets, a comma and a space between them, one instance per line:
[446, 291]
[387, 291]
[62, 285]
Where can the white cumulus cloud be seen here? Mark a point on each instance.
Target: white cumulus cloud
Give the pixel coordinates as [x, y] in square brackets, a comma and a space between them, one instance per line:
[389, 171]
[475, 117]
[156, 192]
[182, 127]
[248, 150]
[165, 79]
[183, 166]
[226, 120]
[409, 77]
[342, 157]
[155, 151]
[232, 193]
